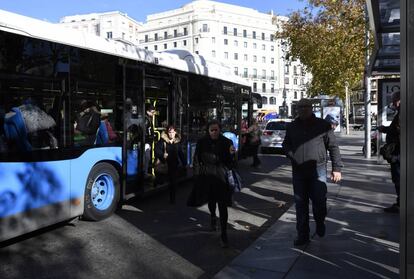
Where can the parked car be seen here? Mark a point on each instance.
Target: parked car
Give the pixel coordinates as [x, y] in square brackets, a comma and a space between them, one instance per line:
[273, 134]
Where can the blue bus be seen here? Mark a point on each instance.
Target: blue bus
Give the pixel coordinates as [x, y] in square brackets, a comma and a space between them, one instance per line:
[72, 119]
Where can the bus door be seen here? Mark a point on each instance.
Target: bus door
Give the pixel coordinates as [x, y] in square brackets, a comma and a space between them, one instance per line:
[158, 92]
[180, 114]
[133, 127]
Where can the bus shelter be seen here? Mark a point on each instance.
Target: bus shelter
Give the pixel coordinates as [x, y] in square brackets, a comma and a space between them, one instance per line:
[393, 29]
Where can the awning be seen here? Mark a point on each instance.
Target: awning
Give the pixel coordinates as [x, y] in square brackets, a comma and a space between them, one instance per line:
[384, 17]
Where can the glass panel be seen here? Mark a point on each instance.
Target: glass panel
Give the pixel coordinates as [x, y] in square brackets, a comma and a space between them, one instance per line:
[389, 12]
[390, 39]
[276, 126]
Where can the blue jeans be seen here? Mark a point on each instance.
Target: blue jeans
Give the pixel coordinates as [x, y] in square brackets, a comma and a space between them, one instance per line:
[309, 186]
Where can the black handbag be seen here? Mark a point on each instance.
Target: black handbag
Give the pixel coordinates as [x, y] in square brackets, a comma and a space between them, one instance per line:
[387, 151]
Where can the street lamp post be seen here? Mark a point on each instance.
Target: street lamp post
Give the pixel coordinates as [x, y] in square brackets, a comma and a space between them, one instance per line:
[347, 108]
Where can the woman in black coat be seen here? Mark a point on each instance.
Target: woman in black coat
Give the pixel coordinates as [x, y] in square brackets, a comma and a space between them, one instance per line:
[169, 150]
[213, 157]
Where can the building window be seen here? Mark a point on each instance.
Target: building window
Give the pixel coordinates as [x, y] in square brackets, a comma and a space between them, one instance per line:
[272, 100]
[175, 33]
[235, 31]
[272, 74]
[225, 30]
[286, 69]
[295, 95]
[286, 80]
[245, 72]
[236, 43]
[109, 35]
[205, 27]
[245, 44]
[263, 87]
[185, 43]
[165, 46]
[295, 81]
[213, 40]
[155, 47]
[302, 81]
[272, 60]
[263, 74]
[302, 95]
[185, 31]
[236, 56]
[254, 58]
[255, 86]
[263, 59]
[263, 47]
[254, 35]
[254, 45]
[272, 48]
[146, 38]
[295, 70]
[254, 73]
[245, 57]
[272, 37]
[226, 55]
[272, 88]
[263, 36]
[196, 51]
[146, 47]
[244, 33]
[196, 40]
[226, 42]
[264, 100]
[175, 44]
[165, 35]
[213, 53]
[156, 36]
[236, 71]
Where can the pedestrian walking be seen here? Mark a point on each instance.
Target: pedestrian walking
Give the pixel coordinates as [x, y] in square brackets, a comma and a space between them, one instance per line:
[253, 141]
[214, 155]
[391, 151]
[306, 143]
[169, 150]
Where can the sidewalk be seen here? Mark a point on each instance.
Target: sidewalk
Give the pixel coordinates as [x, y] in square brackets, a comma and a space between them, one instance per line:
[361, 240]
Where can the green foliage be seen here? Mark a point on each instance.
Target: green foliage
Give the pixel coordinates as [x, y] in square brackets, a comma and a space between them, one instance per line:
[328, 37]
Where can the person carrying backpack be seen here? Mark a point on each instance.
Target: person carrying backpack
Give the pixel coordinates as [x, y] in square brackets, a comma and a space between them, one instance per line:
[88, 121]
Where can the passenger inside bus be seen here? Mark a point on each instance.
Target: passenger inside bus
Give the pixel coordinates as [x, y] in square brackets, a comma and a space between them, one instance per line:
[29, 127]
[87, 123]
[112, 136]
[149, 137]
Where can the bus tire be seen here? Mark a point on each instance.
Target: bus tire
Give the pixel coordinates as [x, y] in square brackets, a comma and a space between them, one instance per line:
[102, 192]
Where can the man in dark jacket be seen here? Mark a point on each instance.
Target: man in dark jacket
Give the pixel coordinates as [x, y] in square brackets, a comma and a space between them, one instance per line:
[306, 143]
[393, 137]
[149, 137]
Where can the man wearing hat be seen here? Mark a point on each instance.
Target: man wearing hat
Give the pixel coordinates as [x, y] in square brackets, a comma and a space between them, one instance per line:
[393, 137]
[306, 143]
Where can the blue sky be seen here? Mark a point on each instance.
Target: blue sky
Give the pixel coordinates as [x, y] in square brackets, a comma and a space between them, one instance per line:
[53, 10]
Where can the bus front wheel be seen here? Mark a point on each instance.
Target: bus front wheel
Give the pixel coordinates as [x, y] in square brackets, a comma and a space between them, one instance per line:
[102, 192]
